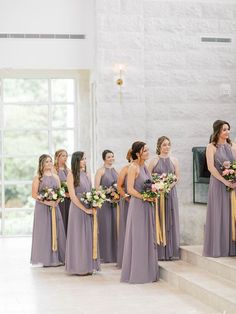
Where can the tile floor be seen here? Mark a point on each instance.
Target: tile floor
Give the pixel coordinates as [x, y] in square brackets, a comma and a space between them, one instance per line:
[30, 290]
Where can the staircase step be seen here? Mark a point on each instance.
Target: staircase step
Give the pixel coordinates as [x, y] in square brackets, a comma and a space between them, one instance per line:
[224, 267]
[210, 289]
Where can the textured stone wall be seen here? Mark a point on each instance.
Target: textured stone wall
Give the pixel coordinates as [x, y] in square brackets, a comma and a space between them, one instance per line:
[120, 39]
[175, 84]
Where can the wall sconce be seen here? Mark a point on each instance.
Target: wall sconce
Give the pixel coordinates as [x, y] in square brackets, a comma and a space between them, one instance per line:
[120, 69]
[119, 81]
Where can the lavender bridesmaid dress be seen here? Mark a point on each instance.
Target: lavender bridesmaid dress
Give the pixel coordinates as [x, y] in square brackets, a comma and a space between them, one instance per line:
[218, 237]
[64, 206]
[124, 205]
[107, 222]
[79, 244]
[41, 251]
[171, 250]
[139, 263]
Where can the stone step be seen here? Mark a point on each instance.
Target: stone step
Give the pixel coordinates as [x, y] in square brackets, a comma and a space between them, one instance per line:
[210, 289]
[224, 267]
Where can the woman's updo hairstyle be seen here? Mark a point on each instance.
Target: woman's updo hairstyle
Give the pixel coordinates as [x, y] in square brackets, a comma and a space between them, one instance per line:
[159, 143]
[105, 152]
[128, 155]
[136, 148]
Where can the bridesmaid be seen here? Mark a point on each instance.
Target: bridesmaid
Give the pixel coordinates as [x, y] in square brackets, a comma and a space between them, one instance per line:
[107, 223]
[79, 245]
[62, 170]
[218, 236]
[42, 252]
[139, 263]
[163, 163]
[124, 204]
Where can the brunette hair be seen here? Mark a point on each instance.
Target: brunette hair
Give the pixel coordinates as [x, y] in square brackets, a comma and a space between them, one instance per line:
[105, 152]
[128, 155]
[217, 127]
[160, 140]
[57, 155]
[75, 166]
[136, 148]
[42, 160]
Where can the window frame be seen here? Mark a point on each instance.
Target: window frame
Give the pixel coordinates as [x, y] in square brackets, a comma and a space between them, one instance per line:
[31, 74]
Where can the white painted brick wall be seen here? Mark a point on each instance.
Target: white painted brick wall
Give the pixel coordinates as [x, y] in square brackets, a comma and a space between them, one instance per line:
[172, 81]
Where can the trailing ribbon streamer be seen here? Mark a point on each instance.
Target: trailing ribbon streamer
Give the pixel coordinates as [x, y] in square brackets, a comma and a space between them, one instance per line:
[54, 229]
[158, 227]
[117, 218]
[233, 214]
[95, 234]
[163, 217]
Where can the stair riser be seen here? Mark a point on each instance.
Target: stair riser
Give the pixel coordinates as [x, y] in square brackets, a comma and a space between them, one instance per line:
[210, 265]
[203, 295]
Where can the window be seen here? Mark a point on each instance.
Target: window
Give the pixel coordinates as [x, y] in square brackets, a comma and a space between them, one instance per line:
[37, 115]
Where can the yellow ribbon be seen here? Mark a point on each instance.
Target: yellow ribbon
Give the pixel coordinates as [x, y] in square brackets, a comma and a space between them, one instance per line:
[233, 214]
[54, 229]
[161, 221]
[158, 226]
[117, 218]
[163, 218]
[95, 234]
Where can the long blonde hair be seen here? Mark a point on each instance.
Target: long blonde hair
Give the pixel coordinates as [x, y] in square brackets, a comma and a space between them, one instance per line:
[57, 155]
[42, 160]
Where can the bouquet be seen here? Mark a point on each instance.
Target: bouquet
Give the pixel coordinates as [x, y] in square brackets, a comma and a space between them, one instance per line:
[229, 171]
[51, 194]
[150, 190]
[64, 186]
[164, 181]
[112, 194]
[94, 198]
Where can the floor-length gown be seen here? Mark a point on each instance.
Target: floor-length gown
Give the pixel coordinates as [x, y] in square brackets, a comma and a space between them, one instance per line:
[107, 222]
[124, 205]
[139, 263]
[65, 205]
[171, 249]
[218, 237]
[41, 252]
[79, 244]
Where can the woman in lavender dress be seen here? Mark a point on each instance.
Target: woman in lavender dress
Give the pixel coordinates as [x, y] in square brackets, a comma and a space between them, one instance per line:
[79, 245]
[163, 163]
[218, 234]
[124, 204]
[42, 252]
[139, 263]
[107, 223]
[62, 170]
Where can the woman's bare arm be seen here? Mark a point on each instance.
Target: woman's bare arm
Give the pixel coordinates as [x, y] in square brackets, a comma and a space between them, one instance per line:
[35, 189]
[98, 176]
[210, 153]
[132, 174]
[121, 181]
